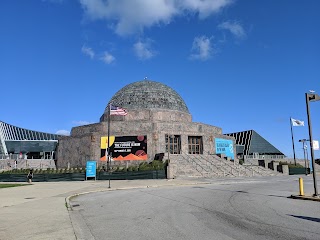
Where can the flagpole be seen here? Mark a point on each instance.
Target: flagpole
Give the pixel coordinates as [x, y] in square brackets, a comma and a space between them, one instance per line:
[294, 153]
[108, 152]
[108, 147]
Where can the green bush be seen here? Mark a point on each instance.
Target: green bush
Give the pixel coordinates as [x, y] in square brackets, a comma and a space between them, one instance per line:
[124, 169]
[144, 166]
[132, 168]
[291, 165]
[157, 165]
[118, 169]
[154, 165]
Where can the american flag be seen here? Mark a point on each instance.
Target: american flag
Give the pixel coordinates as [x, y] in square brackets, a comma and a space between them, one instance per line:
[117, 111]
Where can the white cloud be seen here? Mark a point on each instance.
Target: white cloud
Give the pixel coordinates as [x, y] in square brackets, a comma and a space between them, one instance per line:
[63, 132]
[132, 16]
[88, 51]
[235, 28]
[80, 123]
[143, 49]
[204, 8]
[201, 48]
[107, 58]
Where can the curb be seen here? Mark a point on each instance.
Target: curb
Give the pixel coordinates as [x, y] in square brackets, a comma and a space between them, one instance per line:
[310, 198]
[69, 206]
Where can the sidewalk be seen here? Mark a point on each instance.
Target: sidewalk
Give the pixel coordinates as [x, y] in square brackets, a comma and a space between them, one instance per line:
[39, 211]
[312, 198]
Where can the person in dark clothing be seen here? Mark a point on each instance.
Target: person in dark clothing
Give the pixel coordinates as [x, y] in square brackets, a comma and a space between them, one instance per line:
[30, 176]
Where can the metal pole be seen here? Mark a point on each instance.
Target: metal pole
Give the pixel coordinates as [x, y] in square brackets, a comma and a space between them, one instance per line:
[307, 157]
[109, 174]
[294, 152]
[168, 147]
[304, 155]
[108, 146]
[311, 147]
[108, 151]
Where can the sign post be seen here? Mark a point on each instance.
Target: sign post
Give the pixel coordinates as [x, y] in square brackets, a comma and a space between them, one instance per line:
[91, 170]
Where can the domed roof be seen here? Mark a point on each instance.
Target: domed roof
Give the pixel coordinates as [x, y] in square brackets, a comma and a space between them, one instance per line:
[149, 95]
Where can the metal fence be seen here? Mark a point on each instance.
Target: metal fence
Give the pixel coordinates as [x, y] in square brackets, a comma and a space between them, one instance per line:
[57, 177]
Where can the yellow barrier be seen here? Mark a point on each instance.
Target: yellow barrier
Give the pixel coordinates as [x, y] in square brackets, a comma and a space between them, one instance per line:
[301, 192]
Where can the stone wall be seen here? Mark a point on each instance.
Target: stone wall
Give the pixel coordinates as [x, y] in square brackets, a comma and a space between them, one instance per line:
[85, 141]
[74, 151]
[151, 115]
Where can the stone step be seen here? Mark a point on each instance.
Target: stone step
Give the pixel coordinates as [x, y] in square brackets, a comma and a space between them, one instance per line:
[214, 166]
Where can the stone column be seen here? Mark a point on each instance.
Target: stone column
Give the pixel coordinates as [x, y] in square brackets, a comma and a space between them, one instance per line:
[171, 171]
[275, 166]
[285, 169]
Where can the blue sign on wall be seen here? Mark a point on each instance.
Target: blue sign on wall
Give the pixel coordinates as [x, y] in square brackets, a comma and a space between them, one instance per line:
[91, 169]
[224, 146]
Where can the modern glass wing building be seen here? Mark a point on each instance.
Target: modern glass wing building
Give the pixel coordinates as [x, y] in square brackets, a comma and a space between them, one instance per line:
[26, 143]
[252, 145]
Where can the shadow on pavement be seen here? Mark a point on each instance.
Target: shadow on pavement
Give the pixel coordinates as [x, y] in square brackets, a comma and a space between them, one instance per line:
[307, 218]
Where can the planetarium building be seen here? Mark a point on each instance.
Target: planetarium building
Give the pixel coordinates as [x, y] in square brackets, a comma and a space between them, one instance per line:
[157, 122]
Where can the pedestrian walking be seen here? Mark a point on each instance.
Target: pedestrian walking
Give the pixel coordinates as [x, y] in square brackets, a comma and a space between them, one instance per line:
[30, 176]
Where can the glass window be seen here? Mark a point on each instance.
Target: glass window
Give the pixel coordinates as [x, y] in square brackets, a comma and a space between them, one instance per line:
[173, 144]
[195, 145]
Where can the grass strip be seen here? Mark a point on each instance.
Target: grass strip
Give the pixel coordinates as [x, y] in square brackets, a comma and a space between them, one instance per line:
[7, 185]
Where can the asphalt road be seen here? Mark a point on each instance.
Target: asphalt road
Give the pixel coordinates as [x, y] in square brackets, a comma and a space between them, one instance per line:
[254, 208]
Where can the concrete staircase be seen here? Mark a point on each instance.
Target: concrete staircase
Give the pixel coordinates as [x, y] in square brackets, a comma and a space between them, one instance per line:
[213, 166]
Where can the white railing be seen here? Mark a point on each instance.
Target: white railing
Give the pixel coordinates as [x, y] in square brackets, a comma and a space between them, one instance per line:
[263, 157]
[23, 156]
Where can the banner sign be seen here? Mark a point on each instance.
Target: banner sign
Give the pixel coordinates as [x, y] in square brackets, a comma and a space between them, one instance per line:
[91, 167]
[224, 146]
[125, 148]
[315, 144]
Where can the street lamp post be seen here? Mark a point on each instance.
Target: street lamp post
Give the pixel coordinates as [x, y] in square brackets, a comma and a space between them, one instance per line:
[170, 144]
[304, 147]
[312, 97]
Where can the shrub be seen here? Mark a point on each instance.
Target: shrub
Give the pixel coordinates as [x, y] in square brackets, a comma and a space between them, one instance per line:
[145, 166]
[130, 169]
[291, 165]
[124, 169]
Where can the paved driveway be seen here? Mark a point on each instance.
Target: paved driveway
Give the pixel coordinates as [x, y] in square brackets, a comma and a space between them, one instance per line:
[255, 208]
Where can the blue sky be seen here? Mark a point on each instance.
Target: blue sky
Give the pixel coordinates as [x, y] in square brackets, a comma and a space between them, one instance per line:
[238, 65]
